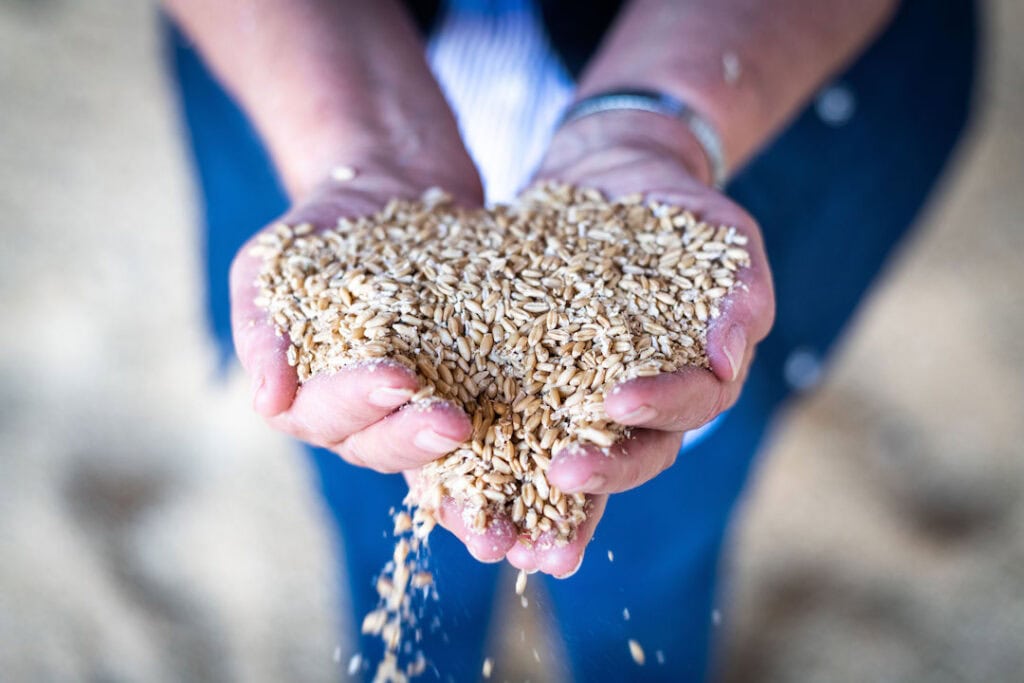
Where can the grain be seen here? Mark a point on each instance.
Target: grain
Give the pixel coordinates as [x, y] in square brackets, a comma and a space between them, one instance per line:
[343, 174]
[520, 582]
[525, 316]
[636, 652]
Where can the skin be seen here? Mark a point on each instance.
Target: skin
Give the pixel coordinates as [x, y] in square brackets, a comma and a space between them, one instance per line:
[344, 82]
[621, 153]
[786, 49]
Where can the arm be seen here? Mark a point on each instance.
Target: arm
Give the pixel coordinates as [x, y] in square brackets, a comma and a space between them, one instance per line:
[785, 49]
[329, 82]
[782, 50]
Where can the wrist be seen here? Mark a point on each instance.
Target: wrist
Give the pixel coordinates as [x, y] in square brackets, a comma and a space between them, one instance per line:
[627, 133]
[330, 83]
[417, 153]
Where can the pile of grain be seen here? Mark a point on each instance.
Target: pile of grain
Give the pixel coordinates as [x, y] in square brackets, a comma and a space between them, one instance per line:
[525, 316]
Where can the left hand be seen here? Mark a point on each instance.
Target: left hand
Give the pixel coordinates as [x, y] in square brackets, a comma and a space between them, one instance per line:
[621, 153]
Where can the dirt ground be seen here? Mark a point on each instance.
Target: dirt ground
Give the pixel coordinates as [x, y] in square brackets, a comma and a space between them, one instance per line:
[150, 526]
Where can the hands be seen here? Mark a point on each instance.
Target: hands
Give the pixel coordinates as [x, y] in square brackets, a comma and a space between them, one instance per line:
[356, 87]
[621, 153]
[356, 412]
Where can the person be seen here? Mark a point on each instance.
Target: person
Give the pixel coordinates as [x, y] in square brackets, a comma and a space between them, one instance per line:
[677, 90]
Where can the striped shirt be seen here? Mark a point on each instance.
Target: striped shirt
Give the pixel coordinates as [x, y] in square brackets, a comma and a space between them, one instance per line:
[505, 84]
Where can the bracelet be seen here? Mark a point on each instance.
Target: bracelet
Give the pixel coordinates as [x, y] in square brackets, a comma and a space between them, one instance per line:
[657, 103]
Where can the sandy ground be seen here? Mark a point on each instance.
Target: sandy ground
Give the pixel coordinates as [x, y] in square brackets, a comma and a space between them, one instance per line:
[151, 529]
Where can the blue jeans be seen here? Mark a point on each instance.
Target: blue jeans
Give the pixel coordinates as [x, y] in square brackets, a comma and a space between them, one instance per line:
[834, 196]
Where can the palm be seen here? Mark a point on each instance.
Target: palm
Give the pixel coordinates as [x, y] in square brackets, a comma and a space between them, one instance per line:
[686, 399]
[353, 412]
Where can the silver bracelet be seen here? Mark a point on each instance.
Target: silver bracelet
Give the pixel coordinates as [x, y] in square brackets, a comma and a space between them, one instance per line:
[657, 103]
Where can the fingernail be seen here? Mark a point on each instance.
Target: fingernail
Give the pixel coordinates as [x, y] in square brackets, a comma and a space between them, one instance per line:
[735, 347]
[389, 397]
[639, 415]
[429, 440]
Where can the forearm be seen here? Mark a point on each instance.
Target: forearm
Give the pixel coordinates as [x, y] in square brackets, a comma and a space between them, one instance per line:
[782, 50]
[328, 82]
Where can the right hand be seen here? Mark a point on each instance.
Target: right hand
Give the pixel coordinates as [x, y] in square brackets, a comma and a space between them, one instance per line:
[621, 153]
[361, 412]
[356, 412]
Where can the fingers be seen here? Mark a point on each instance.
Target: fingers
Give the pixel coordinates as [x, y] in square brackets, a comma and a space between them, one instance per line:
[328, 408]
[262, 352]
[561, 561]
[490, 546]
[408, 438]
[501, 541]
[747, 313]
[746, 316]
[352, 413]
[691, 397]
[629, 463]
[676, 402]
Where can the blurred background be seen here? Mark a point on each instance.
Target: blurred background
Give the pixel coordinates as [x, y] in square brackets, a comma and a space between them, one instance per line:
[152, 529]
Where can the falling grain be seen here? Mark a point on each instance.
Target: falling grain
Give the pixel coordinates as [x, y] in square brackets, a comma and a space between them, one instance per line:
[520, 582]
[636, 652]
